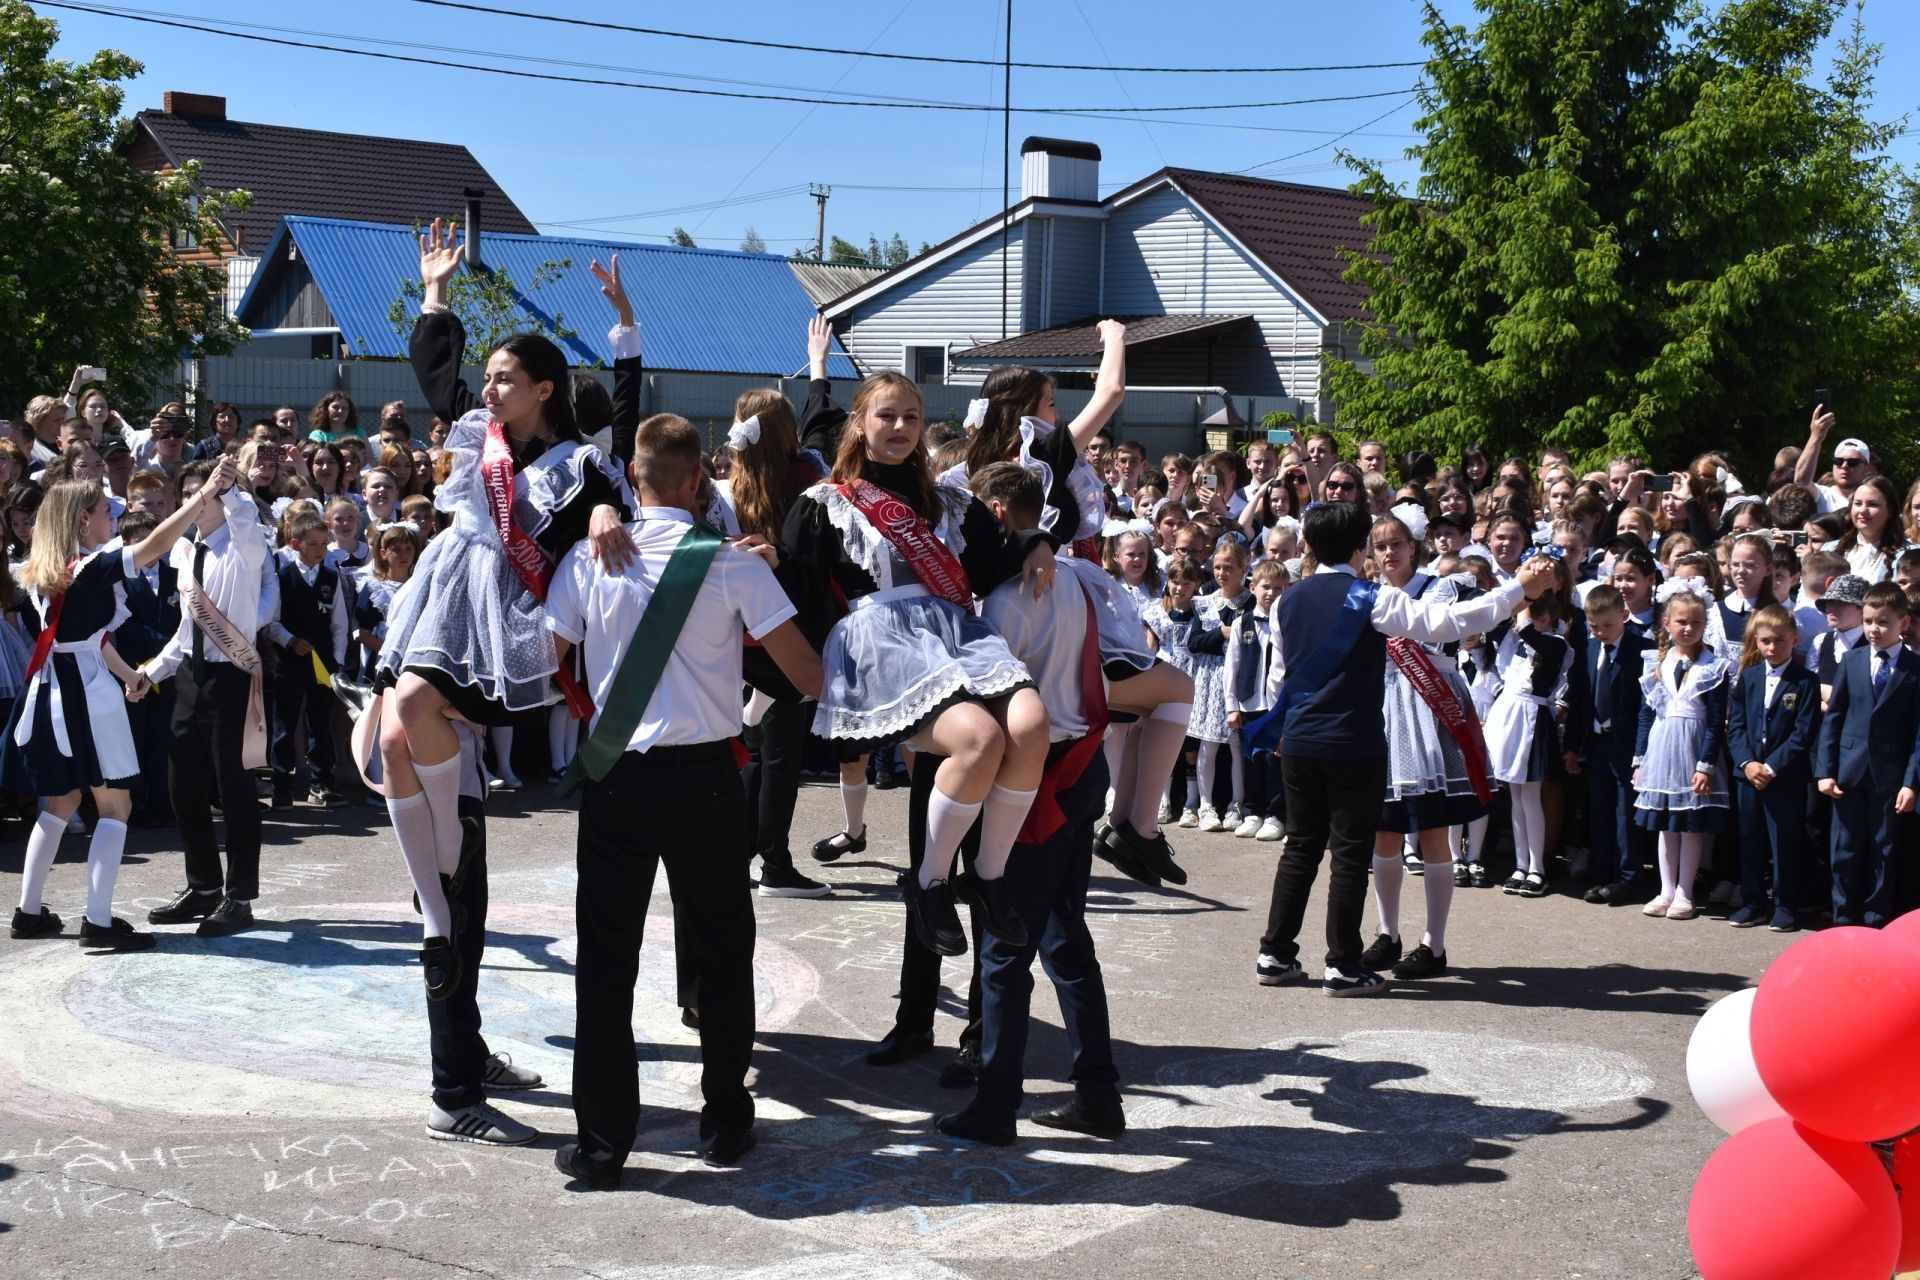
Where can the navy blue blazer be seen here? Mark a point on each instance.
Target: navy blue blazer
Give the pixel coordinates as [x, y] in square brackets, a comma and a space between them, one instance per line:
[1629, 663]
[155, 616]
[1782, 736]
[1859, 739]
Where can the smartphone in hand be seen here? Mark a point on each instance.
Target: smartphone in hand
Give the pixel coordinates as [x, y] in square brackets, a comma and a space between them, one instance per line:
[1658, 484]
[1823, 399]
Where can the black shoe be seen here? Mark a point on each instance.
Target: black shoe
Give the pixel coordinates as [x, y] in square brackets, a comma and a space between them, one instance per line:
[1382, 954]
[1478, 876]
[42, 924]
[935, 921]
[1515, 883]
[188, 904]
[1462, 877]
[886, 781]
[995, 904]
[974, 1127]
[119, 936]
[1596, 895]
[1534, 886]
[569, 1161]
[1367, 983]
[1100, 1122]
[1619, 894]
[1110, 849]
[1421, 963]
[1153, 854]
[964, 1071]
[325, 798]
[443, 967]
[726, 1148]
[785, 882]
[690, 1018]
[834, 845]
[898, 1046]
[229, 917]
[282, 798]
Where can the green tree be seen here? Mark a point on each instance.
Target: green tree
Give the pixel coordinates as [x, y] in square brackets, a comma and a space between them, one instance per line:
[1641, 226]
[491, 306]
[845, 254]
[896, 251]
[681, 238]
[752, 243]
[88, 274]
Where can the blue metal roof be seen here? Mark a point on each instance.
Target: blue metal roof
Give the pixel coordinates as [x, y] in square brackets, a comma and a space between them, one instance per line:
[700, 310]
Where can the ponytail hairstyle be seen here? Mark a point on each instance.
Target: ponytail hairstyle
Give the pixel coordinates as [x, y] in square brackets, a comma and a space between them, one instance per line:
[763, 483]
[1773, 617]
[545, 362]
[850, 461]
[1012, 392]
[56, 535]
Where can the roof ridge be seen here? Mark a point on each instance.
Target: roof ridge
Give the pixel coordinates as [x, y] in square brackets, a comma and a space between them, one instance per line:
[154, 113]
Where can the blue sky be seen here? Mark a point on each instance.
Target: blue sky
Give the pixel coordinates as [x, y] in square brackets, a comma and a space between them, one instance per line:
[580, 155]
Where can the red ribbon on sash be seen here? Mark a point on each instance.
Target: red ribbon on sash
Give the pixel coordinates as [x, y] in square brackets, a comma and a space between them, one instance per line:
[43, 647]
[1045, 816]
[938, 569]
[1416, 664]
[528, 558]
[1085, 549]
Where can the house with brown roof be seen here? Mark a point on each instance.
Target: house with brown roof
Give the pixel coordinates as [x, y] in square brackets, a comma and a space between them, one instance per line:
[1224, 281]
[309, 172]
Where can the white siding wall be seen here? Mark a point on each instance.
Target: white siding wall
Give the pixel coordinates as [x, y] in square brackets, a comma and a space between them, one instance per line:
[1074, 290]
[1164, 258]
[957, 302]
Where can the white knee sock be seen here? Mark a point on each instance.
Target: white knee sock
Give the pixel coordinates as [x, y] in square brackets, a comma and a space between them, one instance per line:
[1115, 749]
[1388, 873]
[1156, 746]
[42, 846]
[1477, 837]
[1693, 850]
[1669, 863]
[1529, 828]
[1000, 821]
[948, 822]
[853, 802]
[1239, 770]
[413, 828]
[563, 737]
[1439, 902]
[103, 868]
[1455, 848]
[1206, 770]
[440, 784]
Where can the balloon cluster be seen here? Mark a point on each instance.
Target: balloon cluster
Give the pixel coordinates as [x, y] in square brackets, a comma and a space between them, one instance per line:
[1811, 1077]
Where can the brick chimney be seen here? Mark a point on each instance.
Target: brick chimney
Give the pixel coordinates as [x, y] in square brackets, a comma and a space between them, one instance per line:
[205, 105]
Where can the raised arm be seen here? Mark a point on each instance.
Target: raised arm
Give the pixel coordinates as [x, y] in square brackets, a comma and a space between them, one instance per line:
[1395, 613]
[439, 341]
[1806, 468]
[170, 530]
[1109, 386]
[629, 376]
[821, 421]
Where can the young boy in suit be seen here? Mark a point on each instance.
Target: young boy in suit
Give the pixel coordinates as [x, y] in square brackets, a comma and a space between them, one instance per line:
[1772, 723]
[1603, 710]
[1868, 764]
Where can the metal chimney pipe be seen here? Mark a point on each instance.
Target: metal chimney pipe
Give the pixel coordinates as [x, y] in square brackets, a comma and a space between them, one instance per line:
[474, 261]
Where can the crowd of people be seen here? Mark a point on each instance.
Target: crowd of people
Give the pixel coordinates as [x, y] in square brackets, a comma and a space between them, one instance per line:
[1695, 693]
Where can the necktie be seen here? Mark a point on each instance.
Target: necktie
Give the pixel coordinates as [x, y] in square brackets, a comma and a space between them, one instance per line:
[1883, 667]
[1603, 689]
[1679, 674]
[199, 638]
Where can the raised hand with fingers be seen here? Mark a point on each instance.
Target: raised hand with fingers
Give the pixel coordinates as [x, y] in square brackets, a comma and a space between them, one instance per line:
[440, 257]
[610, 286]
[819, 343]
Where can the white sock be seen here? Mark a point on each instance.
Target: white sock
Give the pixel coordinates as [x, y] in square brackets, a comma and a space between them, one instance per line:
[1529, 828]
[1439, 903]
[1669, 863]
[756, 709]
[1239, 771]
[42, 845]
[1477, 837]
[1157, 747]
[413, 828]
[1115, 749]
[103, 868]
[1388, 874]
[948, 822]
[440, 784]
[1207, 769]
[563, 737]
[501, 736]
[1693, 849]
[1000, 821]
[853, 803]
[1454, 846]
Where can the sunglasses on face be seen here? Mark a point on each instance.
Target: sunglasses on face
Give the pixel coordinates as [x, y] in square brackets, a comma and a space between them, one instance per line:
[1849, 462]
[169, 433]
[1341, 486]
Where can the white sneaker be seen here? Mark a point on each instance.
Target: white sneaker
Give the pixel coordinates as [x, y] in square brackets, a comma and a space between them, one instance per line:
[1271, 830]
[1233, 815]
[1166, 815]
[507, 781]
[1190, 819]
[1249, 827]
[1209, 819]
[478, 1123]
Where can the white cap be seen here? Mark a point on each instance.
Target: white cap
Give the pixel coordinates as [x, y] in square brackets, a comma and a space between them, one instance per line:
[1856, 444]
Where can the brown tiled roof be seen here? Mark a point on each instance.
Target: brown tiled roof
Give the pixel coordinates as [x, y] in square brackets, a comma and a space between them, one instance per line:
[1296, 230]
[330, 175]
[1082, 337]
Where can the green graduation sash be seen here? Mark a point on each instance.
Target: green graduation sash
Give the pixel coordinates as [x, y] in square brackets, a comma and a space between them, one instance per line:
[639, 674]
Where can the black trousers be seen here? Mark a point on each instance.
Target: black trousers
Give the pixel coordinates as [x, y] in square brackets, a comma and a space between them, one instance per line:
[302, 725]
[151, 720]
[695, 821]
[1266, 787]
[1049, 884]
[1333, 807]
[203, 760]
[459, 1052]
[920, 967]
[772, 778]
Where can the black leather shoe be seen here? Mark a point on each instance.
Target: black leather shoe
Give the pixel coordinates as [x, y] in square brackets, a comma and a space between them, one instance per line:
[1099, 1122]
[974, 1127]
[831, 848]
[120, 936]
[1619, 894]
[995, 904]
[935, 920]
[188, 904]
[964, 1071]
[227, 918]
[442, 967]
[898, 1046]
[1110, 849]
[690, 1019]
[727, 1148]
[569, 1161]
[1154, 854]
[42, 924]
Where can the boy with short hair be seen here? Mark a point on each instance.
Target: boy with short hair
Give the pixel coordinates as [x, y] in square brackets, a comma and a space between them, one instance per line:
[312, 626]
[1868, 763]
[1840, 603]
[1603, 712]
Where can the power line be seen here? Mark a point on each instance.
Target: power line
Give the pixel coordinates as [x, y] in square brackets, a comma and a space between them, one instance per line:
[787, 47]
[1295, 155]
[1090, 112]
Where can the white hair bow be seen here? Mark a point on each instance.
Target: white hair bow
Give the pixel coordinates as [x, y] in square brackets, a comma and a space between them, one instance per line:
[1695, 587]
[1414, 516]
[1291, 523]
[976, 414]
[1116, 528]
[742, 434]
[408, 525]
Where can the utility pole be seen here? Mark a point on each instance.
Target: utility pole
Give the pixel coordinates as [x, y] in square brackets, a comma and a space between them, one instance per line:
[1006, 164]
[820, 191]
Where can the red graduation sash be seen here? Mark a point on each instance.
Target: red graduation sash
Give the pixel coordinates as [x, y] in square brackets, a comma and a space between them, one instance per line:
[528, 558]
[1045, 816]
[1416, 664]
[43, 646]
[938, 569]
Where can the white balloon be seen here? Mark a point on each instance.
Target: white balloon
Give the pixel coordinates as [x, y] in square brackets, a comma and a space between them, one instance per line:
[1720, 1068]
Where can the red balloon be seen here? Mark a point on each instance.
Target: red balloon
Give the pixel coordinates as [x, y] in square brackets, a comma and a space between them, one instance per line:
[1906, 928]
[1835, 1027]
[1906, 1177]
[1778, 1202]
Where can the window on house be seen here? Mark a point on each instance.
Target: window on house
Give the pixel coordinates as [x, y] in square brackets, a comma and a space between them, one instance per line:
[184, 238]
[927, 366]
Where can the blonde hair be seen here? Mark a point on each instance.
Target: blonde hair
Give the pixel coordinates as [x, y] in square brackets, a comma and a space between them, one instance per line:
[56, 535]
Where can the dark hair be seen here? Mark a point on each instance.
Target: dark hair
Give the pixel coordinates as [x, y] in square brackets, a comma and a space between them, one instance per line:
[339, 468]
[1468, 456]
[136, 525]
[24, 497]
[1893, 535]
[1336, 530]
[1013, 485]
[666, 450]
[1012, 392]
[592, 406]
[545, 362]
[321, 420]
[1886, 595]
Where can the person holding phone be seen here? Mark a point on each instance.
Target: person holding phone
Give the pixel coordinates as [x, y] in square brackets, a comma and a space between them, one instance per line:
[1852, 459]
